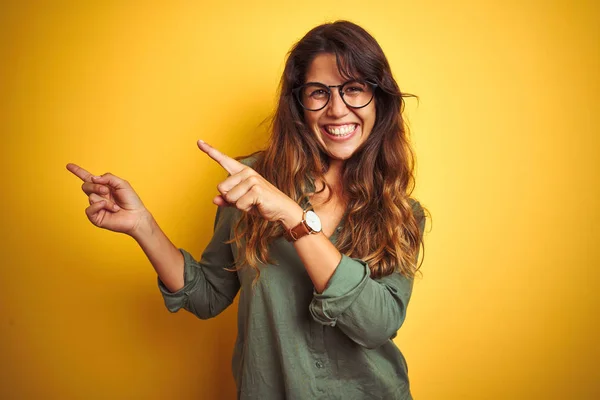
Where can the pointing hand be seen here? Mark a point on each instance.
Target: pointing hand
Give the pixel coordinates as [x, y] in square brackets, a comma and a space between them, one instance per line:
[248, 191]
[114, 205]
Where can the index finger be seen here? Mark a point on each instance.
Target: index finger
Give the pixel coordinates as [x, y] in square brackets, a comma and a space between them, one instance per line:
[80, 172]
[232, 166]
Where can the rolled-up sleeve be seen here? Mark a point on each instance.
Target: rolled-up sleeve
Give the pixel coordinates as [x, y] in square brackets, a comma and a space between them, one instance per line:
[369, 311]
[208, 287]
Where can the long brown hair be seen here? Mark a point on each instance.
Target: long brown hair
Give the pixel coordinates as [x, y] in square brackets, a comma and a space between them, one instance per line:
[379, 225]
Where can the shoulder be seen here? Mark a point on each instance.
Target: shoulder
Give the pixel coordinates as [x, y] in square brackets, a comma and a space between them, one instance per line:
[417, 208]
[250, 160]
[418, 213]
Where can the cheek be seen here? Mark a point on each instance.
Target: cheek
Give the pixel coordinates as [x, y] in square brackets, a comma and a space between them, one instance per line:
[368, 118]
[373, 116]
[311, 118]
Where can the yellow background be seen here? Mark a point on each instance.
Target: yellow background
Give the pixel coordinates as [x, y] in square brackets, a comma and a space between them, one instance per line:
[507, 139]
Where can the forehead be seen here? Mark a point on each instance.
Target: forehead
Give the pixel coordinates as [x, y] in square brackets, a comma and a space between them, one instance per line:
[324, 69]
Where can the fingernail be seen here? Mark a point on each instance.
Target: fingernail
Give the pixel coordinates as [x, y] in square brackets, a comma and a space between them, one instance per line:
[116, 207]
[95, 177]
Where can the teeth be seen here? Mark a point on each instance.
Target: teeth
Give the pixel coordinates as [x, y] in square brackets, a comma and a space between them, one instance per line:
[341, 130]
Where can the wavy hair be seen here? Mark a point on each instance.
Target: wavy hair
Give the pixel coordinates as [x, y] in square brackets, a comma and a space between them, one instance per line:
[379, 225]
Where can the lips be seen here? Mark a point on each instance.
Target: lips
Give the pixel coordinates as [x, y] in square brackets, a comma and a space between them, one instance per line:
[339, 132]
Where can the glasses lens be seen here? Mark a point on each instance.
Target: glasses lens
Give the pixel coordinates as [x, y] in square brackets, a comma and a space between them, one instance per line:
[357, 94]
[314, 96]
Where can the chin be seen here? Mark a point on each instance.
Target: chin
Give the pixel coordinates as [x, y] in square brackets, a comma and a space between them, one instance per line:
[340, 154]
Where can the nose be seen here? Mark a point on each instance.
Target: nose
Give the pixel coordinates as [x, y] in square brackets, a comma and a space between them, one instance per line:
[336, 107]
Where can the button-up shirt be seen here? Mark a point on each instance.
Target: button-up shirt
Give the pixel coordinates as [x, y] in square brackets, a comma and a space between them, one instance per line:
[295, 343]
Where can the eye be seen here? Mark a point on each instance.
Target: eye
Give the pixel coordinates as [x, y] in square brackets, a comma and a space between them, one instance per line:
[318, 93]
[354, 88]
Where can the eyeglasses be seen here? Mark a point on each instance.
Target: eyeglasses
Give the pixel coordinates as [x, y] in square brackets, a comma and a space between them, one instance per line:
[314, 96]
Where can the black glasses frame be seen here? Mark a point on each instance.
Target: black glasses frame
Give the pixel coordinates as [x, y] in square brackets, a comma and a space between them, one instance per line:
[328, 88]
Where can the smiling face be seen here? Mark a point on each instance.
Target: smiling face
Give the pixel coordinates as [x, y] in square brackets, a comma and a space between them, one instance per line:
[340, 129]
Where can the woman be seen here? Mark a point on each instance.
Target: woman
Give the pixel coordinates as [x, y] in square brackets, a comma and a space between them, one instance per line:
[318, 231]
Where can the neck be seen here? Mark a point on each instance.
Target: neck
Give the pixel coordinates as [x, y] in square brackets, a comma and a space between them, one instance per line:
[333, 177]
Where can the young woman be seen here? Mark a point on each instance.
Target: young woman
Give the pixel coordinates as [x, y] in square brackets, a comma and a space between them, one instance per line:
[317, 232]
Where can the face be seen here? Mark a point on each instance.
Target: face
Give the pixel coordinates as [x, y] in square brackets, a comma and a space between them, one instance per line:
[340, 130]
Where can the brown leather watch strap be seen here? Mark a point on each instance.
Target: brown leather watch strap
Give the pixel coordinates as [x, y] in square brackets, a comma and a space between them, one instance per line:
[298, 231]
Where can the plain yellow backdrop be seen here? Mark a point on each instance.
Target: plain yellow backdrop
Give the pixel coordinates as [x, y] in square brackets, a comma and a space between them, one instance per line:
[507, 139]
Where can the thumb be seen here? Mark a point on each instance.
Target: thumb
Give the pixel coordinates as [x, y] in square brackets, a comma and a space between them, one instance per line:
[221, 202]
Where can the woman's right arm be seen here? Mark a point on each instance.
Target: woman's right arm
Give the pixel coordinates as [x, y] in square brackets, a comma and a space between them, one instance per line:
[166, 259]
[209, 284]
[205, 287]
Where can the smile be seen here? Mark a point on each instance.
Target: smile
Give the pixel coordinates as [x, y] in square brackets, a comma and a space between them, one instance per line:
[340, 130]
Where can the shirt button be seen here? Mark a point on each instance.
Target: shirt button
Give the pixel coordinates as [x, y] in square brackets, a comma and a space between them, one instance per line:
[319, 364]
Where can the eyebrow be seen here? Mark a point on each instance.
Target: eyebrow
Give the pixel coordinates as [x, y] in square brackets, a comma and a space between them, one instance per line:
[341, 84]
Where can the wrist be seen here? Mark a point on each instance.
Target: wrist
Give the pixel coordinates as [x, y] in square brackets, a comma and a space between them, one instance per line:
[309, 224]
[291, 217]
[144, 227]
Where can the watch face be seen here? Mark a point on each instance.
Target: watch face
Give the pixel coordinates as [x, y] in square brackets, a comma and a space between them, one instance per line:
[313, 221]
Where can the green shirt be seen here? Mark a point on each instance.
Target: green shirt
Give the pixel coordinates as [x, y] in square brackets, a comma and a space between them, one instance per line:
[294, 343]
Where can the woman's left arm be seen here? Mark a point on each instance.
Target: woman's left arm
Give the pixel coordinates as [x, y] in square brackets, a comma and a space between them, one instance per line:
[369, 311]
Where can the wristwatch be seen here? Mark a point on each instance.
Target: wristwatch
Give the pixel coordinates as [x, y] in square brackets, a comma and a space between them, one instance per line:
[309, 225]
